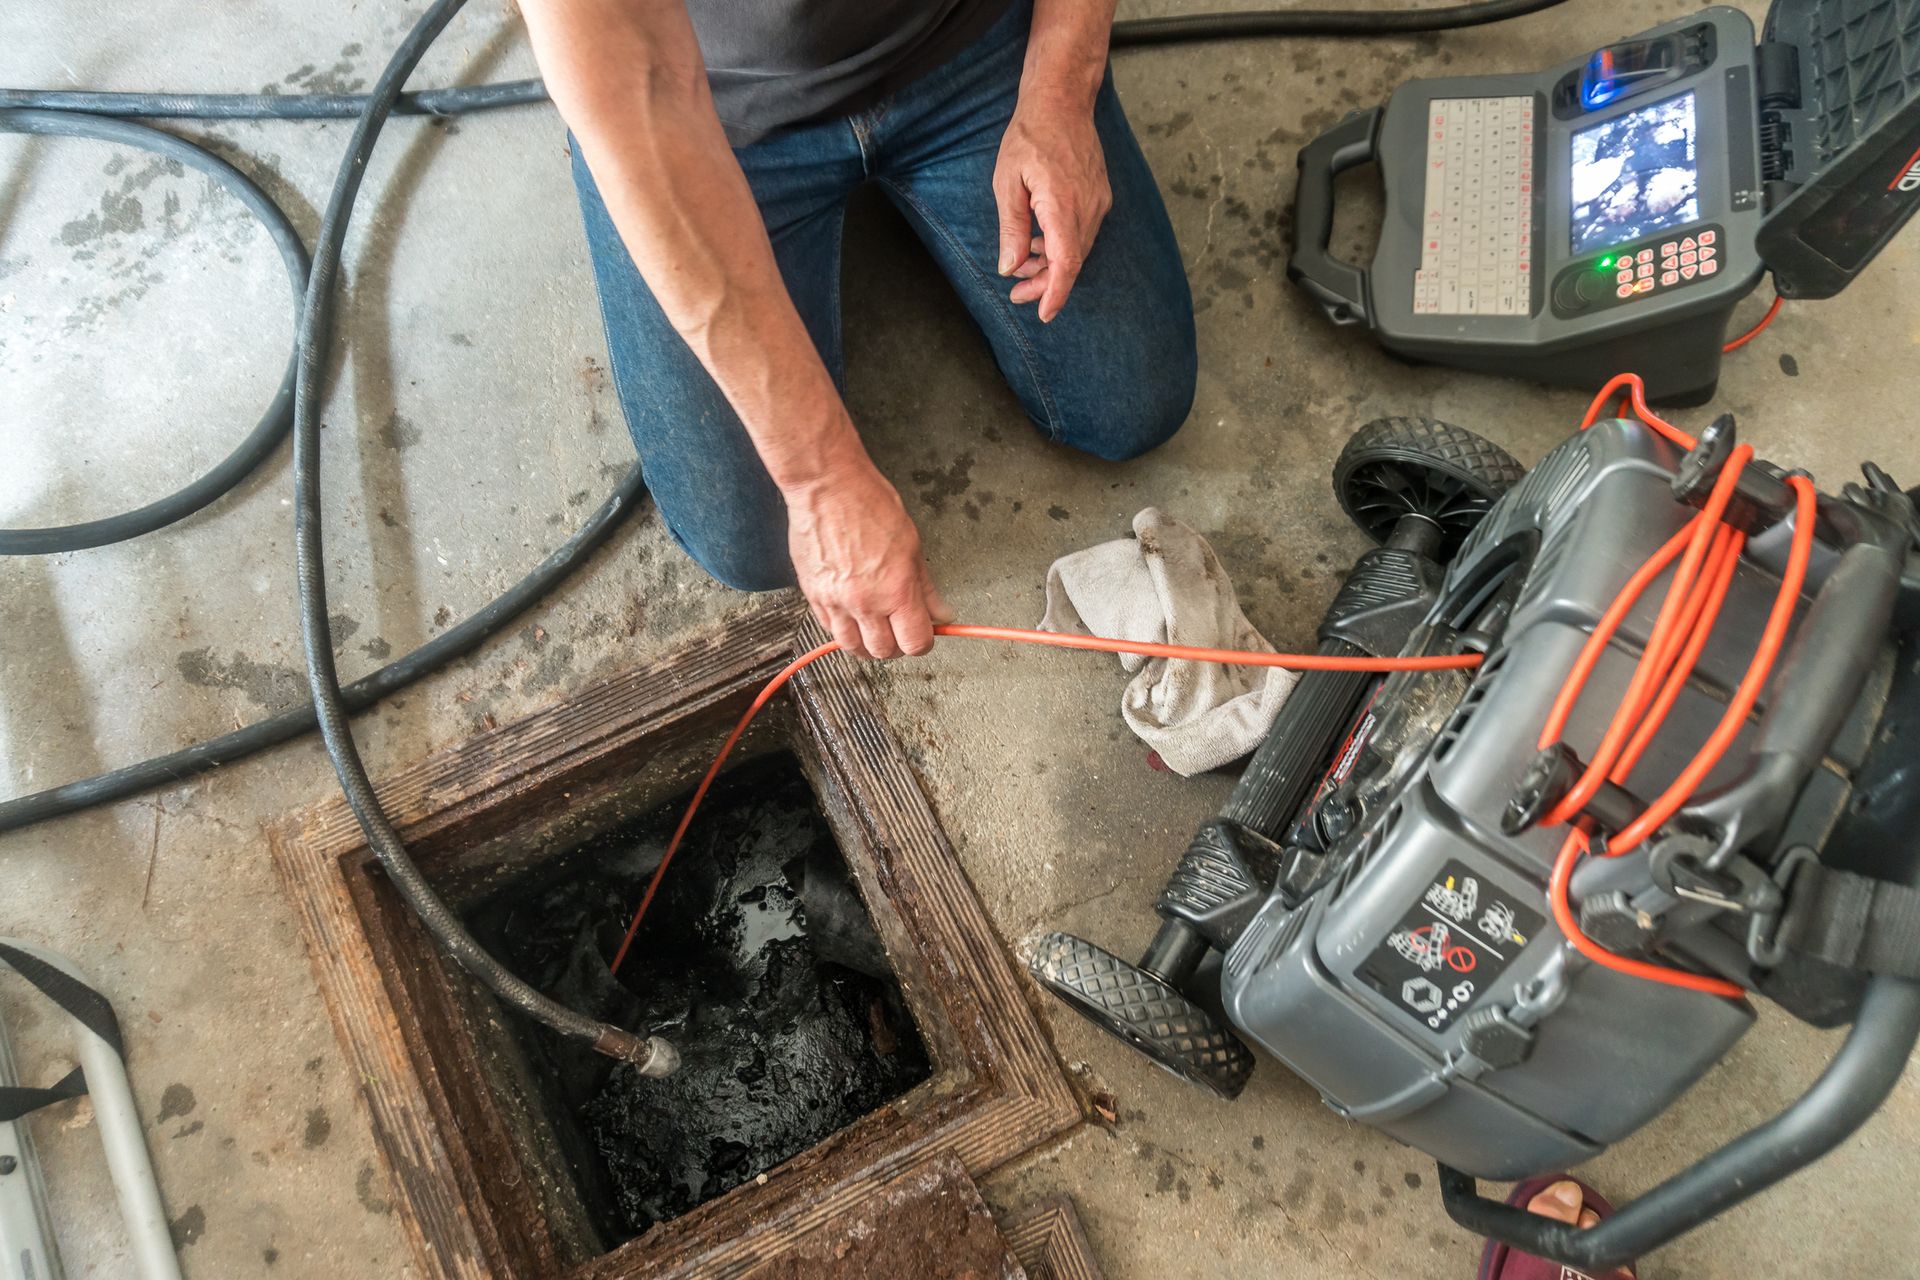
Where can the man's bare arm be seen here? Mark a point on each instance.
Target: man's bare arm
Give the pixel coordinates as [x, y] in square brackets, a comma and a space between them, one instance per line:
[629, 80]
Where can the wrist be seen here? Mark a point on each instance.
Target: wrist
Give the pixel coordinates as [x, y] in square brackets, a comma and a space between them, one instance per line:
[837, 462]
[1066, 58]
[1057, 94]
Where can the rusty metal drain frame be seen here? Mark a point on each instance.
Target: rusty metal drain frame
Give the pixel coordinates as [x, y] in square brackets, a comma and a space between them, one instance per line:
[472, 1197]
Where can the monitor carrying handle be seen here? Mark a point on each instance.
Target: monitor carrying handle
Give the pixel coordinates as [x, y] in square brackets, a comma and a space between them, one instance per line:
[1339, 286]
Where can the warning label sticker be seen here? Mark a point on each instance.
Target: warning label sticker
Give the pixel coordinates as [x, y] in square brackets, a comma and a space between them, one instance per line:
[1449, 947]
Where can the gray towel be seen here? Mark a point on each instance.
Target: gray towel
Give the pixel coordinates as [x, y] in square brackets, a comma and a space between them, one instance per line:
[1164, 584]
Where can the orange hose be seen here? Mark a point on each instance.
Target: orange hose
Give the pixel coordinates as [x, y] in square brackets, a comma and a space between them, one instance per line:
[1758, 329]
[1772, 639]
[1227, 657]
[1053, 639]
[1664, 642]
[1602, 635]
[1571, 850]
[1686, 628]
[1719, 577]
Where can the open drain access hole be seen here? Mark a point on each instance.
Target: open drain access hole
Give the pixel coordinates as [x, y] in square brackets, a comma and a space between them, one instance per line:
[757, 960]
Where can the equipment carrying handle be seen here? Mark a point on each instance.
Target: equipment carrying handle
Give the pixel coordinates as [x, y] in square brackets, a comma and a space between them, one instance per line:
[1819, 680]
[1340, 286]
[1858, 1079]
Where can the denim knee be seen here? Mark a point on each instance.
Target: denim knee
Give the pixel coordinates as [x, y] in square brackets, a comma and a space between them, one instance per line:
[1133, 415]
[745, 559]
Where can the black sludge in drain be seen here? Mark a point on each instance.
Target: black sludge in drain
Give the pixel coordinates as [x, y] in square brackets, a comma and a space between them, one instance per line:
[757, 960]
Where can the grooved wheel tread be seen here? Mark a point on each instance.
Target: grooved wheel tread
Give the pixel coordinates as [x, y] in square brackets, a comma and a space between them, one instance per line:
[1421, 466]
[1134, 1005]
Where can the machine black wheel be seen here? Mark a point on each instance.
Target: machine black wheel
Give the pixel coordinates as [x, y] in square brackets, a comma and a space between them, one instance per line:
[1132, 1004]
[1395, 467]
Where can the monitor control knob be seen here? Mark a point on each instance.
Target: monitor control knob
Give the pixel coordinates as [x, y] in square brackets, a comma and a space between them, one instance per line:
[1579, 290]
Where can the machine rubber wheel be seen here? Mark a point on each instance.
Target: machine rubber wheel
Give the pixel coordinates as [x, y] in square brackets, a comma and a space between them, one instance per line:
[1395, 467]
[1131, 1003]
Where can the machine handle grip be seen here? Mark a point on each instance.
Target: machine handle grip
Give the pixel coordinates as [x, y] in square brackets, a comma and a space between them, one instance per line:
[1340, 286]
[1857, 1080]
[1814, 689]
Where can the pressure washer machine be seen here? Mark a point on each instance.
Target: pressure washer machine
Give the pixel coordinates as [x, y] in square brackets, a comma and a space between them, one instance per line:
[1371, 907]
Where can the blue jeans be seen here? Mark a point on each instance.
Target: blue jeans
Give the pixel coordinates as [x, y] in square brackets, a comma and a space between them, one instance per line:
[1112, 375]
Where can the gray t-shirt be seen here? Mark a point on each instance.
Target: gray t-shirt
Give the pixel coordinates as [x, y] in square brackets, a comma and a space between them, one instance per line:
[774, 63]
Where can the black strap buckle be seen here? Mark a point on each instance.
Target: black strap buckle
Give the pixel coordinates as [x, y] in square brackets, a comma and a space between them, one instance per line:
[1739, 885]
[1764, 947]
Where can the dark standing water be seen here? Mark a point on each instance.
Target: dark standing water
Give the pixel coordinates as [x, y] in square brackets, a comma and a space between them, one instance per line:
[757, 960]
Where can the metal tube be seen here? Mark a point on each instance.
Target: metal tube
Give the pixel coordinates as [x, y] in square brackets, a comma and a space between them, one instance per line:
[26, 1231]
[121, 1135]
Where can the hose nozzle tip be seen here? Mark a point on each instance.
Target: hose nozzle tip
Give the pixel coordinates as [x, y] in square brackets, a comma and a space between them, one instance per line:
[652, 1056]
[662, 1060]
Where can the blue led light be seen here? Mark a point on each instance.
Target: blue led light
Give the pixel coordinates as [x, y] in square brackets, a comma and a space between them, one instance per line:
[1599, 87]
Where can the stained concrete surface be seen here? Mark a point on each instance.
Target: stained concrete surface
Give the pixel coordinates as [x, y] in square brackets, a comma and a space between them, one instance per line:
[143, 322]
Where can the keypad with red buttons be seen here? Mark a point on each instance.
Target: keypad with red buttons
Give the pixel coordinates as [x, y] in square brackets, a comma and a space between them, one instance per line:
[1647, 269]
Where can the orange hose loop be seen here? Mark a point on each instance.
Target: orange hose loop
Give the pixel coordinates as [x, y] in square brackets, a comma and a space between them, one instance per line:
[1636, 389]
[1571, 850]
[1665, 641]
[1772, 639]
[1687, 617]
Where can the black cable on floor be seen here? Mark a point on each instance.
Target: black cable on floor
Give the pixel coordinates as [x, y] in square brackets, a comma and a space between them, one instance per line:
[1327, 23]
[460, 639]
[649, 1054]
[274, 423]
[275, 106]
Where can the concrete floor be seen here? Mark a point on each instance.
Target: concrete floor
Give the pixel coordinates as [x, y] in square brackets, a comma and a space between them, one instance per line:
[143, 322]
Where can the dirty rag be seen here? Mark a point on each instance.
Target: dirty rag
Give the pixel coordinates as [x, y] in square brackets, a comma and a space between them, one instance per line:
[1165, 584]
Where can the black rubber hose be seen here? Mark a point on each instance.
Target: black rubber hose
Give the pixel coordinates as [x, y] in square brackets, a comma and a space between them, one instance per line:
[276, 106]
[1137, 32]
[649, 1054]
[1131, 34]
[462, 638]
[274, 423]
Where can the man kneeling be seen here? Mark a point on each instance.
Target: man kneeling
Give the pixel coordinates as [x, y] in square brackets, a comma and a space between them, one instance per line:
[715, 146]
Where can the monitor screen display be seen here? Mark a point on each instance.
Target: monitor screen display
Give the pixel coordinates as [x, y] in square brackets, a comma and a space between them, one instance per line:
[1636, 175]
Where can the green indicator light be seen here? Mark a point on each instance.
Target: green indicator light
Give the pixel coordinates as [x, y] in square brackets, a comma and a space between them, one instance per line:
[1605, 263]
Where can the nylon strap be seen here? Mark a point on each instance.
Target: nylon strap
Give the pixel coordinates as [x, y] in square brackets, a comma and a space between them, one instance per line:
[79, 1000]
[1853, 921]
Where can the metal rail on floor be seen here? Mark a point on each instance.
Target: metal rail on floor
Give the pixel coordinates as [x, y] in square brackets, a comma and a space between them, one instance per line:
[25, 1230]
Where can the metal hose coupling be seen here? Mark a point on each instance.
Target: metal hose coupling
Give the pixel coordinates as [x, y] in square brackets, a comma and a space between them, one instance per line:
[651, 1056]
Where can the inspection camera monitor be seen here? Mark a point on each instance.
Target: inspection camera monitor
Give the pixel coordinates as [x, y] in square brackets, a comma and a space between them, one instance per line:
[1605, 216]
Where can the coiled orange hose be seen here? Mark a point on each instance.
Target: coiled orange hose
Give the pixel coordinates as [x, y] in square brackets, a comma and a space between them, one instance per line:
[1686, 619]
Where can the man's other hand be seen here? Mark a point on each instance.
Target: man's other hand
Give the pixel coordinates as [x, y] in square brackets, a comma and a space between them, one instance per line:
[857, 557]
[1053, 171]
